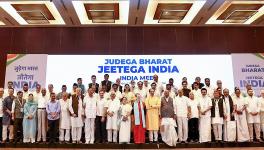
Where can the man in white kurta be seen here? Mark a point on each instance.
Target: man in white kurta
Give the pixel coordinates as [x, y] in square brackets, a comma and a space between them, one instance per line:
[89, 104]
[37, 93]
[65, 119]
[253, 117]
[229, 122]
[181, 109]
[115, 90]
[159, 85]
[146, 86]
[42, 115]
[76, 110]
[100, 120]
[112, 114]
[240, 116]
[218, 113]
[205, 105]
[141, 90]
[261, 99]
[196, 91]
[209, 88]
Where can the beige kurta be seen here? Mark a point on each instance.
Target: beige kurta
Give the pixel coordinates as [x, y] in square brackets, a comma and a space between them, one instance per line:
[152, 119]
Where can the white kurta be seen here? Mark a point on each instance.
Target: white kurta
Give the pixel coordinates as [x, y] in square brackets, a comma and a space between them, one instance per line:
[181, 106]
[142, 92]
[217, 119]
[118, 95]
[65, 118]
[89, 104]
[205, 120]
[76, 121]
[193, 104]
[253, 106]
[229, 126]
[36, 96]
[159, 88]
[197, 93]
[210, 91]
[112, 122]
[242, 127]
[125, 126]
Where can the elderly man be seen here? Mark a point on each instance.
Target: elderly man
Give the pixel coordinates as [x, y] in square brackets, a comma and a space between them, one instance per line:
[229, 122]
[76, 110]
[181, 110]
[89, 104]
[140, 89]
[65, 119]
[168, 124]
[112, 114]
[218, 113]
[240, 115]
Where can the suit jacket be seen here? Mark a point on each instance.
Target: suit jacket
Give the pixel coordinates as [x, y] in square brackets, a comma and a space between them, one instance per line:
[107, 84]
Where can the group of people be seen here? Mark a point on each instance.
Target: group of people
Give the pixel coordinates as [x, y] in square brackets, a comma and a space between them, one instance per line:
[110, 112]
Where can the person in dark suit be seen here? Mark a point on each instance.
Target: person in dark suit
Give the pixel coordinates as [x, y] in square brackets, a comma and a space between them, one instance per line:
[106, 83]
[96, 85]
[198, 80]
[118, 82]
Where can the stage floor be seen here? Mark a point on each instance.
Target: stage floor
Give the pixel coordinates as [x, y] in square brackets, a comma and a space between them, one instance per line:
[243, 148]
[234, 146]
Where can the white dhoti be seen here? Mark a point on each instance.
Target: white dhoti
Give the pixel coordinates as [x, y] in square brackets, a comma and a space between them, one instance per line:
[124, 131]
[242, 128]
[205, 129]
[230, 131]
[168, 132]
